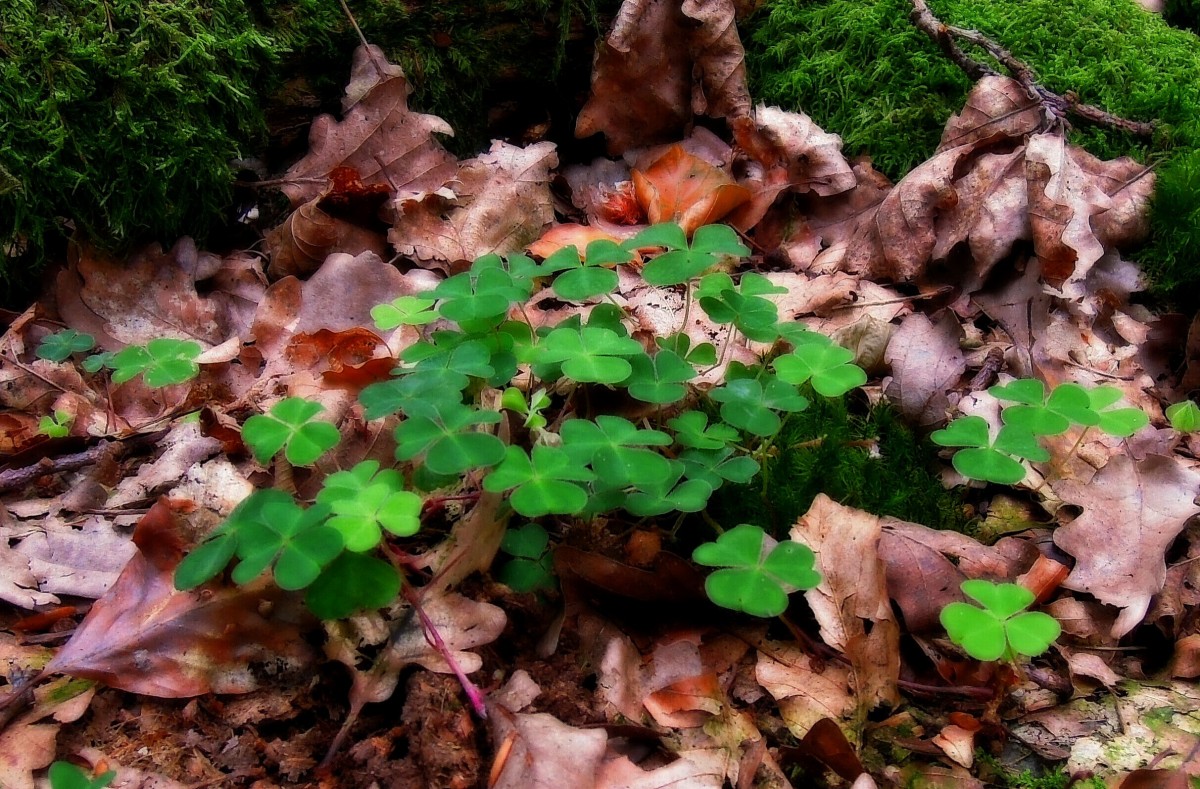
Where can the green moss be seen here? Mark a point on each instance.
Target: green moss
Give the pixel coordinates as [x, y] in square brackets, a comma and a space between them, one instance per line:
[994, 772]
[122, 117]
[827, 449]
[862, 70]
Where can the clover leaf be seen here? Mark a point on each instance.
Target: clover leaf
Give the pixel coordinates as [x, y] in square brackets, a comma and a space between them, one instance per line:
[59, 346]
[532, 566]
[161, 362]
[1045, 416]
[754, 316]
[829, 368]
[64, 775]
[1119, 422]
[660, 378]
[445, 432]
[57, 425]
[985, 459]
[478, 299]
[513, 399]
[997, 628]
[750, 405]
[585, 278]
[616, 450]
[717, 466]
[290, 423]
[295, 542]
[1184, 417]
[404, 311]
[702, 355]
[365, 501]
[651, 499]
[692, 430]
[682, 262]
[755, 580]
[591, 354]
[352, 582]
[542, 484]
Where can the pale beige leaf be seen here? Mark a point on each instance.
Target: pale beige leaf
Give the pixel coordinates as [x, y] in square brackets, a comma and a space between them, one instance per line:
[927, 363]
[1132, 511]
[500, 203]
[851, 603]
[537, 751]
[702, 769]
[814, 157]
[957, 743]
[806, 693]
[23, 749]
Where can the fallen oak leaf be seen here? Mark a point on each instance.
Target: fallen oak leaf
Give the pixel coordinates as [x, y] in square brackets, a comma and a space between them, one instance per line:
[146, 637]
[1132, 512]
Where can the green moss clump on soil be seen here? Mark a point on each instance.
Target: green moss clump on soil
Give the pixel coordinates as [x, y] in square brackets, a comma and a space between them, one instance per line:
[122, 117]
[826, 449]
[861, 69]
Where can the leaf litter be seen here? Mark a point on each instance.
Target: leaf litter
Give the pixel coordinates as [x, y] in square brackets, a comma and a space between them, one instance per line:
[1005, 244]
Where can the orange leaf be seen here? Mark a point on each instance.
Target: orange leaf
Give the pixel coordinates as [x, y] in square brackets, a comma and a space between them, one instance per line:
[561, 236]
[683, 188]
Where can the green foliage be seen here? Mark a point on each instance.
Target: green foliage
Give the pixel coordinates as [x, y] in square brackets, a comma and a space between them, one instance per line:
[532, 567]
[56, 425]
[291, 423]
[586, 277]
[59, 347]
[1184, 417]
[683, 262]
[862, 70]
[162, 362]
[64, 775]
[351, 582]
[997, 628]
[365, 501]
[403, 310]
[984, 458]
[753, 579]
[123, 116]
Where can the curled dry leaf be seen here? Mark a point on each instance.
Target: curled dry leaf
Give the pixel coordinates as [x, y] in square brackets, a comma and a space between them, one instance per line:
[379, 136]
[663, 62]
[685, 189]
[145, 637]
[309, 235]
[1132, 512]
[851, 603]
[812, 157]
[997, 107]
[499, 202]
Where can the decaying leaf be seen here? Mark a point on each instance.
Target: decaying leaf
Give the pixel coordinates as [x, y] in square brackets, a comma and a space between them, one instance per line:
[537, 751]
[926, 363]
[664, 61]
[498, 202]
[682, 188]
[299, 245]
[379, 136]
[851, 603]
[1132, 511]
[145, 637]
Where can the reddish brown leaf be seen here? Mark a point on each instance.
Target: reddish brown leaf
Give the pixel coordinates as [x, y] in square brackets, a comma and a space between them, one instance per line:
[300, 245]
[145, 637]
[561, 236]
[379, 137]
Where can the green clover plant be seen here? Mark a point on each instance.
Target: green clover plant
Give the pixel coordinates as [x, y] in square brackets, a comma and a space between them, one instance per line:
[60, 346]
[161, 362]
[365, 501]
[532, 567]
[999, 627]
[984, 458]
[1184, 417]
[755, 578]
[589, 276]
[291, 425]
[682, 262]
[64, 775]
[57, 425]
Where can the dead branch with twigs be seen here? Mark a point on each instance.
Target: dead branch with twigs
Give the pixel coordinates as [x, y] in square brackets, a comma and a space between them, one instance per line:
[1056, 106]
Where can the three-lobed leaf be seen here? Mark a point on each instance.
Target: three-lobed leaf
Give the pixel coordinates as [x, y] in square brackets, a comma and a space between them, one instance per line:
[997, 627]
[1184, 417]
[291, 424]
[161, 362]
[365, 501]
[59, 347]
[754, 580]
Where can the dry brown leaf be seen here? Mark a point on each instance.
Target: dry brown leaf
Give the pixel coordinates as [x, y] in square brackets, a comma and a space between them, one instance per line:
[567, 235]
[927, 363]
[23, 749]
[806, 693]
[851, 603]
[698, 768]
[145, 637]
[78, 556]
[996, 107]
[957, 743]
[813, 157]
[153, 294]
[300, 245]
[537, 751]
[384, 141]
[844, 220]
[498, 202]
[1132, 511]
[925, 567]
[682, 188]
[990, 217]
[663, 62]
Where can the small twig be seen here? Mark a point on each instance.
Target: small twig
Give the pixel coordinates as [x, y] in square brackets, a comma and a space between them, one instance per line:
[17, 478]
[898, 300]
[1056, 106]
[993, 362]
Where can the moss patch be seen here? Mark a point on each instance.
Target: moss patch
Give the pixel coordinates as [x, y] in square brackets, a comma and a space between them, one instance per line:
[862, 70]
[828, 449]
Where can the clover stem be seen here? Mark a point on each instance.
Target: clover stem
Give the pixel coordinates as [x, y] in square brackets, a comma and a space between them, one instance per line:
[1057, 467]
[711, 521]
[283, 475]
[474, 694]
